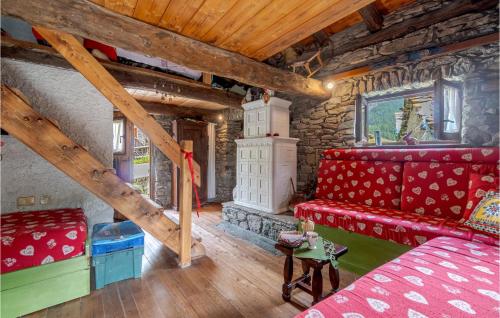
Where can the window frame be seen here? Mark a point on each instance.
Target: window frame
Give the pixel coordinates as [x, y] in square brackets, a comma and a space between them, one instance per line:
[438, 105]
[361, 115]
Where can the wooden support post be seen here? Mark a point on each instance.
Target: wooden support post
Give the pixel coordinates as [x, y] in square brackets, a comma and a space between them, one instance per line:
[185, 205]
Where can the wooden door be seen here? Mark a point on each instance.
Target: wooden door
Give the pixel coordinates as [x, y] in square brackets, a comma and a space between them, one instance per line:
[197, 131]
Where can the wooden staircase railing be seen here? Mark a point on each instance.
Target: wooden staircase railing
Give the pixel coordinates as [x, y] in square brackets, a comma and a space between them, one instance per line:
[74, 52]
[20, 120]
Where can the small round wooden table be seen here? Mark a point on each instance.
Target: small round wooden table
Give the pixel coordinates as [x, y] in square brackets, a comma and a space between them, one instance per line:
[304, 281]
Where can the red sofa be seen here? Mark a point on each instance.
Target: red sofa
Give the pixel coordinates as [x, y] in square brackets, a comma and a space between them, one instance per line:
[445, 277]
[406, 196]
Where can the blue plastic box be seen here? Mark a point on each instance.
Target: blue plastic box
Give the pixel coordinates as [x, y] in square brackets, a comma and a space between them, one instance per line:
[116, 266]
[111, 237]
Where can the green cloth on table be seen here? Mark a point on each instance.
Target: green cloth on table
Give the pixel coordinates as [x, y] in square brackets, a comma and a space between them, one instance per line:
[318, 253]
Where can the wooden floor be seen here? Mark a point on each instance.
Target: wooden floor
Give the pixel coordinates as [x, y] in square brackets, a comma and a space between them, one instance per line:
[235, 279]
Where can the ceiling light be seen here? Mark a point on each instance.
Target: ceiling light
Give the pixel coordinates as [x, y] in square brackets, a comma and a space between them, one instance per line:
[330, 85]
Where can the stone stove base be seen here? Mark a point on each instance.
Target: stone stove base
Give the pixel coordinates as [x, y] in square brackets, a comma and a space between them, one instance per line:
[259, 222]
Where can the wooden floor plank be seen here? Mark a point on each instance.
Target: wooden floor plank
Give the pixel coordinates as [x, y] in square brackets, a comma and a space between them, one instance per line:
[235, 279]
[127, 300]
[144, 299]
[113, 307]
[92, 305]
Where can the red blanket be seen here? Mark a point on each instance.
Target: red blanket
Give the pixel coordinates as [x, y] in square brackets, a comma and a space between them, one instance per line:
[41, 237]
[445, 277]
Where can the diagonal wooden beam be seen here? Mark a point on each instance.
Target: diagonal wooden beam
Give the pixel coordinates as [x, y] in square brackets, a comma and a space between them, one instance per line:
[128, 76]
[43, 137]
[73, 51]
[86, 19]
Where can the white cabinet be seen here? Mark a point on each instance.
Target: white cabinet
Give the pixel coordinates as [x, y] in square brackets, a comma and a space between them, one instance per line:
[264, 169]
[261, 119]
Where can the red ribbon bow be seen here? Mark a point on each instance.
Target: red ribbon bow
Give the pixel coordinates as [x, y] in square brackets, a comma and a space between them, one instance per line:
[189, 157]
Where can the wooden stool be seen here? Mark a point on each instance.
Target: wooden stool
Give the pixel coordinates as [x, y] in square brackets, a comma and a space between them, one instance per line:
[304, 282]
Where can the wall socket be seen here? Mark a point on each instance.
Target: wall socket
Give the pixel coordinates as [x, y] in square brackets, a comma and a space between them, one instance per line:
[44, 199]
[26, 201]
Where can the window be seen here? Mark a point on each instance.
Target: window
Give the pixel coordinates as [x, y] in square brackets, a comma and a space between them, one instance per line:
[119, 136]
[431, 115]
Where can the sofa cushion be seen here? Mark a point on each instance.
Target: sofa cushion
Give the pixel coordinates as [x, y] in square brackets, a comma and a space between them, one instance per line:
[446, 277]
[465, 155]
[486, 215]
[390, 224]
[373, 183]
[435, 189]
[479, 185]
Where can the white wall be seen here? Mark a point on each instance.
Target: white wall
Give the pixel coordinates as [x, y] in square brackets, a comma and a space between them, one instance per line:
[82, 113]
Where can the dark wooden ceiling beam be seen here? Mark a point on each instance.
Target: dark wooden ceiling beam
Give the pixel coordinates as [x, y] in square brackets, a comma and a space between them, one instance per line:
[415, 57]
[88, 20]
[372, 17]
[128, 76]
[452, 10]
[168, 109]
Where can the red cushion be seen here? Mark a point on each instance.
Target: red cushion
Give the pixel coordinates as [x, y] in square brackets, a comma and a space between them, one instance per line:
[446, 277]
[397, 226]
[479, 185]
[435, 189]
[374, 183]
[464, 155]
[40, 237]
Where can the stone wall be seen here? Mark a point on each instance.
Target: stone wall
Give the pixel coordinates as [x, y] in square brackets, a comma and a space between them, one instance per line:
[82, 113]
[262, 223]
[450, 31]
[227, 131]
[330, 124]
[161, 168]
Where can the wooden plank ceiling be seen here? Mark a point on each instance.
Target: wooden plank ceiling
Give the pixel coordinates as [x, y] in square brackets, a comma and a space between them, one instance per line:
[254, 28]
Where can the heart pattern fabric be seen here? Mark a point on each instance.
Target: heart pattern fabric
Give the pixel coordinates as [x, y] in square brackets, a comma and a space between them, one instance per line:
[401, 227]
[435, 189]
[411, 293]
[479, 185]
[475, 155]
[41, 237]
[375, 183]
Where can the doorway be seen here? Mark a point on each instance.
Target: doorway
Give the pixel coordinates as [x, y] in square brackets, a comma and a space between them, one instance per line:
[131, 156]
[197, 131]
[141, 163]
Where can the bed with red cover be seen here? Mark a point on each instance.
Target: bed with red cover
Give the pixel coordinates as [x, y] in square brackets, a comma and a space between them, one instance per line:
[444, 277]
[40, 237]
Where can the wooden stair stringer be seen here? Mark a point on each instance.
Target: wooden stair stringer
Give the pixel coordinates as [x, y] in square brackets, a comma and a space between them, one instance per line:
[42, 136]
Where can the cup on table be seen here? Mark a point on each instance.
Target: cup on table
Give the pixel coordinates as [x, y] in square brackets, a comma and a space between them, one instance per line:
[312, 238]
